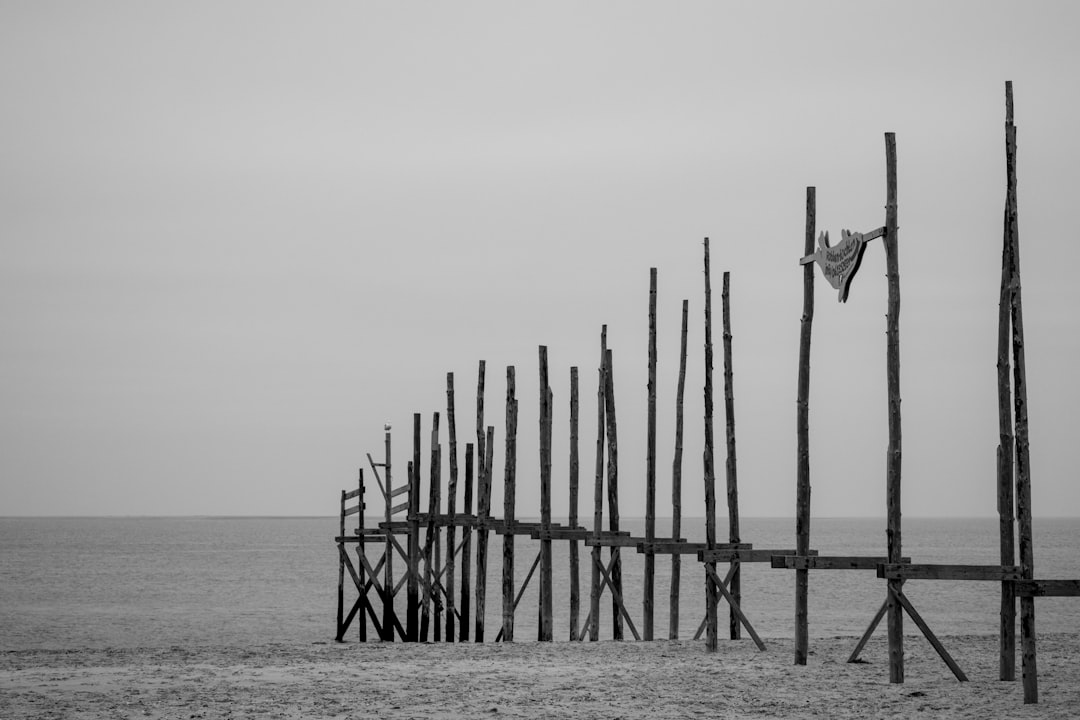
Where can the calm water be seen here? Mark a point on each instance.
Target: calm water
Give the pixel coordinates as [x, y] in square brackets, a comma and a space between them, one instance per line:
[130, 582]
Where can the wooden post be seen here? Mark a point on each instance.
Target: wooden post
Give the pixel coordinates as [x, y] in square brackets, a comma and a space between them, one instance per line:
[802, 425]
[575, 563]
[430, 541]
[895, 618]
[650, 470]
[676, 480]
[483, 515]
[545, 631]
[483, 505]
[613, 493]
[711, 591]
[451, 510]
[598, 495]
[388, 549]
[1023, 460]
[339, 635]
[508, 507]
[360, 570]
[466, 547]
[412, 625]
[735, 585]
[1006, 495]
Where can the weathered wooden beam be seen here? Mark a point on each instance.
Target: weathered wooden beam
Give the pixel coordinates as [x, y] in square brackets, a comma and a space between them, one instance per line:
[1047, 588]
[890, 571]
[709, 467]
[749, 555]
[830, 562]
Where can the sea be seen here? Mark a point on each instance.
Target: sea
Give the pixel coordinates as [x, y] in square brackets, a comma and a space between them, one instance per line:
[131, 582]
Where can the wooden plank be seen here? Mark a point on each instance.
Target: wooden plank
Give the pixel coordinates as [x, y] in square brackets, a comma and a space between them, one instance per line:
[889, 571]
[830, 562]
[352, 510]
[914, 614]
[353, 493]
[614, 541]
[742, 556]
[545, 632]
[1047, 588]
[402, 490]
[740, 616]
[399, 508]
[451, 510]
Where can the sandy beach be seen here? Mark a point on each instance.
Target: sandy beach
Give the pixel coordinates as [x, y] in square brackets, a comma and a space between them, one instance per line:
[661, 679]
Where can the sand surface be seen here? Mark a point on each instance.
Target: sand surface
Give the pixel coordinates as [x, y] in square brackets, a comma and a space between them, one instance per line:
[661, 679]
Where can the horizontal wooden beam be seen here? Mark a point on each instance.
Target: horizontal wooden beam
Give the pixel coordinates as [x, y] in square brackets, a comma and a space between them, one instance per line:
[399, 490]
[748, 555]
[398, 508]
[353, 493]
[830, 562]
[612, 540]
[680, 547]
[889, 571]
[352, 510]
[1047, 588]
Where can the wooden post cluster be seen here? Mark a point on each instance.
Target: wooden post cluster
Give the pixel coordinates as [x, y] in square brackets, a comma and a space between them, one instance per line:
[432, 598]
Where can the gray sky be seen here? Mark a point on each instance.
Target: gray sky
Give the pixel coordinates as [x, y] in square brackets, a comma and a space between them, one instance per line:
[239, 237]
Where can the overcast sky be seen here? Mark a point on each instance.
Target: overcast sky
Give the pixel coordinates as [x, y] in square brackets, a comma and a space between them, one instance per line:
[238, 238]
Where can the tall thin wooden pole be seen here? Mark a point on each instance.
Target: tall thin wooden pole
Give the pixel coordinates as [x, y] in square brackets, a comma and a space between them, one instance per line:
[545, 631]
[430, 560]
[465, 606]
[598, 495]
[388, 549]
[650, 470]
[676, 480]
[613, 493]
[1006, 491]
[509, 480]
[731, 473]
[895, 619]
[711, 591]
[483, 512]
[412, 591]
[575, 563]
[802, 427]
[451, 510]
[483, 506]
[361, 572]
[339, 636]
[1023, 456]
